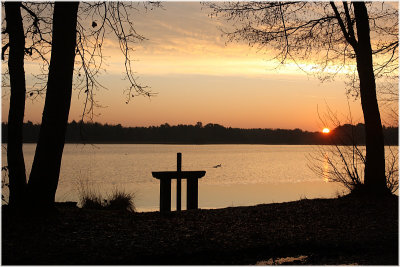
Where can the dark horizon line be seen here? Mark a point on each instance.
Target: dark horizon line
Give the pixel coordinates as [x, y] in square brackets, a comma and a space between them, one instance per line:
[203, 125]
[94, 132]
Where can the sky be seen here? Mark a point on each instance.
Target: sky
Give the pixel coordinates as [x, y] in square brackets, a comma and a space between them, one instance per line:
[199, 76]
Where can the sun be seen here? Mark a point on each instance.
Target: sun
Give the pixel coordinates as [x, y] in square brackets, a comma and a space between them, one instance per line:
[326, 130]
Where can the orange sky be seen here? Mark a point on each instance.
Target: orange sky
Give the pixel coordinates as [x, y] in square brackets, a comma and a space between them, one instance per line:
[198, 77]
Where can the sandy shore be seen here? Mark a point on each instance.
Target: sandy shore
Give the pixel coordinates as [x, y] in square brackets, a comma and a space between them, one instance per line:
[319, 231]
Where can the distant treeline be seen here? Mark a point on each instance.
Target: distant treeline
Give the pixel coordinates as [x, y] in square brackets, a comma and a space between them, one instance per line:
[87, 132]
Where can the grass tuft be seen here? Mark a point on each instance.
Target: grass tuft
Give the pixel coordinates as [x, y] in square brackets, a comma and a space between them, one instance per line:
[92, 199]
[121, 200]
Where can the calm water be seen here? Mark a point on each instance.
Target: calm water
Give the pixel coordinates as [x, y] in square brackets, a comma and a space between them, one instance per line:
[249, 174]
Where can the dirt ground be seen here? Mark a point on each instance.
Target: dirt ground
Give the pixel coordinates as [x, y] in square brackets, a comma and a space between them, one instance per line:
[320, 231]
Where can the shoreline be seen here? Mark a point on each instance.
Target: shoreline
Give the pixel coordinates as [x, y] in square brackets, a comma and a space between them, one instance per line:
[323, 231]
[188, 143]
[195, 144]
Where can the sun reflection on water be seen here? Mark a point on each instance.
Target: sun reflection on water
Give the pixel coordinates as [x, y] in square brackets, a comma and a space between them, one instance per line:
[325, 173]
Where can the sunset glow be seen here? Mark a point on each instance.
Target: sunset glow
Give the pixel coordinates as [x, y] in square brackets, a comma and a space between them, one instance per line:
[201, 77]
[325, 130]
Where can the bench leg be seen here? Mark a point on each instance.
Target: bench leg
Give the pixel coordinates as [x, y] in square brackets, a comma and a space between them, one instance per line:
[165, 195]
[192, 194]
[178, 194]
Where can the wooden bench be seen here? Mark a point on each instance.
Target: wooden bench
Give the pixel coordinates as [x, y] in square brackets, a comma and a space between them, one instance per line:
[165, 178]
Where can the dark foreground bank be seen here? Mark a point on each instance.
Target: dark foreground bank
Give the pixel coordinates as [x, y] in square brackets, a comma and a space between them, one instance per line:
[320, 231]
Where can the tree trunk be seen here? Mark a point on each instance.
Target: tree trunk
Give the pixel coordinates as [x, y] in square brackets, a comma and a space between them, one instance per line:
[374, 178]
[45, 172]
[15, 156]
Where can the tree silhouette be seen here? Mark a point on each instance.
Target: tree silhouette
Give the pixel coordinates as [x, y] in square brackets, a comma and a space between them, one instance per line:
[15, 156]
[67, 38]
[46, 165]
[334, 38]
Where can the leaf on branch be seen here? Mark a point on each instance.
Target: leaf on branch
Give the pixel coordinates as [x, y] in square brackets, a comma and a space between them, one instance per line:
[28, 51]
[94, 24]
